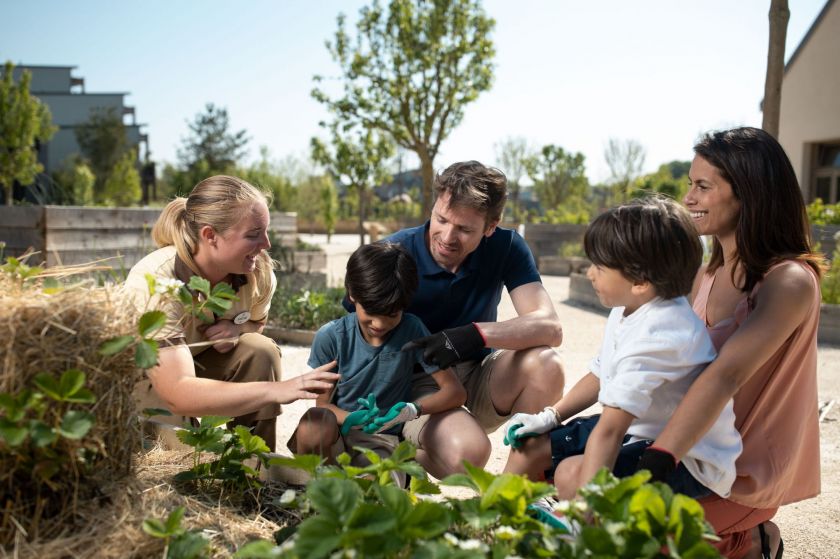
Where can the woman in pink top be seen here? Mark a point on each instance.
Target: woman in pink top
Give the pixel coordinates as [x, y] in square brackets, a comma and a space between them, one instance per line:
[760, 299]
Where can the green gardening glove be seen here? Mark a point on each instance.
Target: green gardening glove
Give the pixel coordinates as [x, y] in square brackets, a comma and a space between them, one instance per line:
[399, 413]
[360, 418]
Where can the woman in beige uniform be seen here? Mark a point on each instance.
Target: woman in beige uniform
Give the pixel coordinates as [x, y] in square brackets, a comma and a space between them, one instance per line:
[220, 233]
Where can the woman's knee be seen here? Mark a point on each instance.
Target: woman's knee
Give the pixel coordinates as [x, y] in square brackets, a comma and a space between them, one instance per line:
[262, 355]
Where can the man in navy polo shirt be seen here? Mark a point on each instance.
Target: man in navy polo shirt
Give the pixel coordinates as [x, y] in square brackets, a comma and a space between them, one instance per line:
[464, 259]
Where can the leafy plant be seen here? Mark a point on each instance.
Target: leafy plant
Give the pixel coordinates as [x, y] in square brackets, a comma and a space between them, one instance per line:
[830, 284]
[199, 299]
[823, 214]
[232, 448]
[178, 542]
[306, 309]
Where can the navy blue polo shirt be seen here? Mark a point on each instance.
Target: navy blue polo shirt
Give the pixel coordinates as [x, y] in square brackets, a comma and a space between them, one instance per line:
[446, 300]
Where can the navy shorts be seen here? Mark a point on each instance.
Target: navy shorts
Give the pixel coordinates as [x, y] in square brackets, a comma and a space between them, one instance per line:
[570, 440]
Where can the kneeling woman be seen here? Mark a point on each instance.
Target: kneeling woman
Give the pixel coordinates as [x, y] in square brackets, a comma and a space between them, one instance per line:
[220, 233]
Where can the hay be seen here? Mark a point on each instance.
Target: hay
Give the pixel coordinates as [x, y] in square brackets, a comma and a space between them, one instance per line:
[54, 332]
[114, 530]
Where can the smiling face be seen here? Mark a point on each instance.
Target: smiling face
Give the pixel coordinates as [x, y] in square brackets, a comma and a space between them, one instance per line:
[237, 249]
[455, 232]
[711, 201]
[376, 327]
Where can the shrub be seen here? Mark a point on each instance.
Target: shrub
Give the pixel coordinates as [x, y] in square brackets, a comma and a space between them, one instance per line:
[822, 214]
[306, 309]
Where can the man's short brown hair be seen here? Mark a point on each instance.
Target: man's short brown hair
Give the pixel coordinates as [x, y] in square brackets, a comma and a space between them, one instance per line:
[474, 185]
[651, 239]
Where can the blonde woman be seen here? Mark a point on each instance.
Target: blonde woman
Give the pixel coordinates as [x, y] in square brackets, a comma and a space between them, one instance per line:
[220, 233]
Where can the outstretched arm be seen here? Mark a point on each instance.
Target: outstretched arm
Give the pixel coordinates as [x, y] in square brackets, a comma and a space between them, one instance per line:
[537, 323]
[604, 443]
[782, 303]
[175, 381]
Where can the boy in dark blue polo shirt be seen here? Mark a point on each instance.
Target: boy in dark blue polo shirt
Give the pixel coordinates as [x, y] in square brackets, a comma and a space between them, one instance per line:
[465, 260]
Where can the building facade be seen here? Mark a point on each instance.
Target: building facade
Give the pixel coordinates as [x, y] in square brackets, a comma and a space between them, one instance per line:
[809, 126]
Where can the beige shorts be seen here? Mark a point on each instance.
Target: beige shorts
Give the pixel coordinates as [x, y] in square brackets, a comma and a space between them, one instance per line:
[475, 376]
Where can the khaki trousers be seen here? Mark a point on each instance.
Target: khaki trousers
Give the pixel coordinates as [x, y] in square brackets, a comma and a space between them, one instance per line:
[254, 358]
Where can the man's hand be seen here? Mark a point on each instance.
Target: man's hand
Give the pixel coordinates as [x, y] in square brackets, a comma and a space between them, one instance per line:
[362, 416]
[522, 425]
[449, 346]
[659, 462]
[399, 413]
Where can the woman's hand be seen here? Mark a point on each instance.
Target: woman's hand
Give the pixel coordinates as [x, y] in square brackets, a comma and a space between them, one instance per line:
[221, 330]
[308, 385]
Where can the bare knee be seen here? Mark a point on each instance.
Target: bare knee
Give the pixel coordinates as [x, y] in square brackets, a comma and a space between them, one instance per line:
[566, 477]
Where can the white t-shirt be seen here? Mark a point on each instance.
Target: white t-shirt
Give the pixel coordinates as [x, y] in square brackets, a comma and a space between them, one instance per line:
[647, 362]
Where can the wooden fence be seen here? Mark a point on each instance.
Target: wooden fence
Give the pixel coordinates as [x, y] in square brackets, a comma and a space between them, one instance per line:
[75, 235]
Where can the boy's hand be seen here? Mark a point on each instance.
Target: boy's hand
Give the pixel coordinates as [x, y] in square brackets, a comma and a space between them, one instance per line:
[522, 425]
[449, 346]
[362, 416]
[399, 413]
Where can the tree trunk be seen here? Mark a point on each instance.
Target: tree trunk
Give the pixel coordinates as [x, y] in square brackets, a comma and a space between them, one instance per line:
[362, 210]
[771, 107]
[427, 171]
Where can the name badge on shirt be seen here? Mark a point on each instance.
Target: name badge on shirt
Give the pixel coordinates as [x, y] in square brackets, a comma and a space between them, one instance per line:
[242, 317]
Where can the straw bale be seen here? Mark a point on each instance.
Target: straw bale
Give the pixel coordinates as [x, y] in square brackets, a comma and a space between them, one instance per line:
[114, 529]
[54, 332]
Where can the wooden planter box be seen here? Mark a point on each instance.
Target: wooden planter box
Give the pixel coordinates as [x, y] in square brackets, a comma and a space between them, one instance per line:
[829, 330]
[562, 265]
[291, 336]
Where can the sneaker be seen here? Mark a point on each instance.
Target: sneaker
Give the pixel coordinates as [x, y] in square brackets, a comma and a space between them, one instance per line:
[545, 510]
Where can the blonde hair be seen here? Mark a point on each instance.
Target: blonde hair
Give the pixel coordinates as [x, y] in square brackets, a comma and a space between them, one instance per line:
[219, 202]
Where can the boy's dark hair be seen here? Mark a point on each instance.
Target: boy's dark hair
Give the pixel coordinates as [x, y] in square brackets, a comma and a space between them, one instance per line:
[650, 239]
[382, 277]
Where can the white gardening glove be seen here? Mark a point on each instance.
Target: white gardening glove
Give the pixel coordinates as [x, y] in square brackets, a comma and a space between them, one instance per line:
[523, 425]
[399, 413]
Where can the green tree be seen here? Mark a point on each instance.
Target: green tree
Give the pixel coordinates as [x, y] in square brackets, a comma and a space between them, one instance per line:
[268, 175]
[559, 177]
[512, 155]
[122, 187]
[78, 180]
[308, 197]
[357, 160]
[670, 179]
[329, 207]
[625, 159]
[24, 121]
[211, 148]
[104, 142]
[410, 71]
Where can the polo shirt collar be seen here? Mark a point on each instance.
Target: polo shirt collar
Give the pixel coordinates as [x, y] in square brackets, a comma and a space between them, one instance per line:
[184, 273]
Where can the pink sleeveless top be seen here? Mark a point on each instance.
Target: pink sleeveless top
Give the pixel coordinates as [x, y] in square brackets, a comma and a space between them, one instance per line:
[776, 410]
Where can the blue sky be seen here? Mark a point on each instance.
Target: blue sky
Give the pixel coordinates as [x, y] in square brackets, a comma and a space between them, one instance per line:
[568, 73]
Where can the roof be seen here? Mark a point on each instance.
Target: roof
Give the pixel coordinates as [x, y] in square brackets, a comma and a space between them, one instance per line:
[808, 35]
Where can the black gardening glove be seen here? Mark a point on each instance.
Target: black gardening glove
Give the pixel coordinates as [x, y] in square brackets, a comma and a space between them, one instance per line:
[659, 462]
[448, 346]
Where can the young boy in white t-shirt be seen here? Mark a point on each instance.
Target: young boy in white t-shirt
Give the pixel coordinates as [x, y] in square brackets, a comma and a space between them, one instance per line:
[645, 255]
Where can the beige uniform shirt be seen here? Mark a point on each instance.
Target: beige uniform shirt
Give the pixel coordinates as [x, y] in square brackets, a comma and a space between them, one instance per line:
[181, 327]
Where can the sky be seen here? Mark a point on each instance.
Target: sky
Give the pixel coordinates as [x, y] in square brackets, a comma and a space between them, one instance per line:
[573, 74]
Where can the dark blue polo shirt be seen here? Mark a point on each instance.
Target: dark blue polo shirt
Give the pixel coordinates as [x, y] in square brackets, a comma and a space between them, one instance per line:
[445, 300]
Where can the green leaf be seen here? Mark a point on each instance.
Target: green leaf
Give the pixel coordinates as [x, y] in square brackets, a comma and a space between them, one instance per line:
[146, 354]
[51, 286]
[71, 382]
[224, 290]
[151, 322]
[306, 462]
[82, 396]
[48, 384]
[459, 480]
[151, 412]
[189, 545]
[75, 424]
[42, 434]
[405, 451]
[214, 421]
[336, 499]
[258, 549]
[599, 541]
[173, 521]
[476, 518]
[369, 519]
[115, 345]
[185, 296]
[155, 528]
[317, 537]
[252, 444]
[200, 284]
[13, 434]
[426, 520]
[151, 282]
[646, 506]
[423, 486]
[395, 500]
[482, 478]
